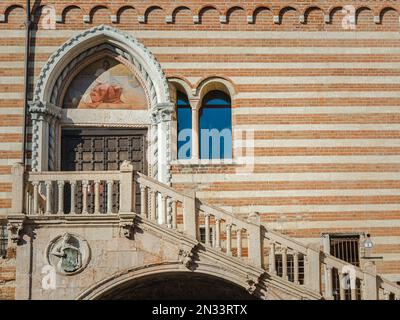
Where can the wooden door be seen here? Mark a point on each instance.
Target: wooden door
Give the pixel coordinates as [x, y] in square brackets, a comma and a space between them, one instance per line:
[102, 150]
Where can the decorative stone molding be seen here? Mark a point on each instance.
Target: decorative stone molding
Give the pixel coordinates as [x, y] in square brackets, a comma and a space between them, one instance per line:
[252, 286]
[146, 63]
[126, 224]
[15, 231]
[114, 18]
[250, 19]
[186, 255]
[223, 19]
[66, 58]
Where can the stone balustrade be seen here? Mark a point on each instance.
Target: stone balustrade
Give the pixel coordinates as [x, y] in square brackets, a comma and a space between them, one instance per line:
[84, 192]
[114, 192]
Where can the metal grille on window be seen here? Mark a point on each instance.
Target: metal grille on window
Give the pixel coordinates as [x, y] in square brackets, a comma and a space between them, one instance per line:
[3, 240]
[345, 247]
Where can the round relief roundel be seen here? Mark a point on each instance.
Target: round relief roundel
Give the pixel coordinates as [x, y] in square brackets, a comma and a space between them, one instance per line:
[68, 254]
[105, 84]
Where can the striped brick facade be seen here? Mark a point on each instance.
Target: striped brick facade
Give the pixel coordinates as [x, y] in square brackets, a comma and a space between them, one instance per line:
[323, 103]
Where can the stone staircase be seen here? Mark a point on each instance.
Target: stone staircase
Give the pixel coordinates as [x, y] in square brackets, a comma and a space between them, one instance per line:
[271, 265]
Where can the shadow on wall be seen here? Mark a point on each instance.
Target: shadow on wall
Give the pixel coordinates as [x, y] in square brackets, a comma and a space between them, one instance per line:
[178, 286]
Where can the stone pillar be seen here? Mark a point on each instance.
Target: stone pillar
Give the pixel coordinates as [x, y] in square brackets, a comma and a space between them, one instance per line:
[161, 117]
[189, 213]
[327, 269]
[17, 202]
[255, 240]
[370, 282]
[313, 269]
[194, 103]
[44, 122]
[127, 188]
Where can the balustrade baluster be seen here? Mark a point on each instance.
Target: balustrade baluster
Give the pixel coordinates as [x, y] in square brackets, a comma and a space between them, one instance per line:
[296, 267]
[218, 233]
[229, 239]
[284, 264]
[213, 237]
[174, 214]
[48, 197]
[85, 185]
[164, 209]
[35, 198]
[328, 283]
[110, 184]
[143, 201]
[272, 264]
[239, 242]
[353, 291]
[73, 190]
[96, 197]
[29, 203]
[207, 228]
[342, 293]
[60, 197]
[153, 204]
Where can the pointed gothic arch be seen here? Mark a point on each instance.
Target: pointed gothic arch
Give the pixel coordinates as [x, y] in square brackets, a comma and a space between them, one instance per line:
[46, 111]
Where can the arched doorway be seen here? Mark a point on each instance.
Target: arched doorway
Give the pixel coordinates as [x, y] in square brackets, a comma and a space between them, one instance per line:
[99, 78]
[177, 286]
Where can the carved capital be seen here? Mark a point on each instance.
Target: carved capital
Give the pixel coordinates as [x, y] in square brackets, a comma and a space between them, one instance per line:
[162, 113]
[40, 110]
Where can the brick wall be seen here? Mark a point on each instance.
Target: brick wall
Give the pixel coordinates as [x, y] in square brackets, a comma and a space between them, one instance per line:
[7, 276]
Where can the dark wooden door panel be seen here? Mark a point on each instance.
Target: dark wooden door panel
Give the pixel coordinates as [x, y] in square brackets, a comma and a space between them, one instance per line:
[101, 150]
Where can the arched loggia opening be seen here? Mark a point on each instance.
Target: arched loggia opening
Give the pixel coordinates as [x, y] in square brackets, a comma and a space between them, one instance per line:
[177, 286]
[215, 126]
[184, 126]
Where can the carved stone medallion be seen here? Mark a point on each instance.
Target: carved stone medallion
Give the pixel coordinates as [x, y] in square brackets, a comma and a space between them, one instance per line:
[68, 254]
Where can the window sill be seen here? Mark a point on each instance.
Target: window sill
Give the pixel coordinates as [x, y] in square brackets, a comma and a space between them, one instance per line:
[206, 162]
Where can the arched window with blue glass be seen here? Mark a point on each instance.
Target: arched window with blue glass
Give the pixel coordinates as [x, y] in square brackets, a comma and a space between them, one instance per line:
[184, 130]
[215, 125]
